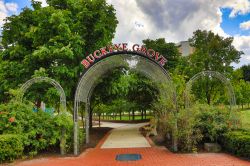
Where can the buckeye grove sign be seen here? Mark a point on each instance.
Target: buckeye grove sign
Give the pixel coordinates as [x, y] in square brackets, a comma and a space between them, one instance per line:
[123, 47]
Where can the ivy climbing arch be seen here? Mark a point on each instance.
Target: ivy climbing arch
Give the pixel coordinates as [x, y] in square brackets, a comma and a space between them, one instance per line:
[215, 74]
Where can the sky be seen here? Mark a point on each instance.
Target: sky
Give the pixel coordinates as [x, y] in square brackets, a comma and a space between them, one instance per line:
[174, 20]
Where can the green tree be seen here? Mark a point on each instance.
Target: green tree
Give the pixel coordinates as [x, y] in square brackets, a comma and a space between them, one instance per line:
[125, 91]
[56, 38]
[168, 50]
[212, 52]
[242, 92]
[246, 72]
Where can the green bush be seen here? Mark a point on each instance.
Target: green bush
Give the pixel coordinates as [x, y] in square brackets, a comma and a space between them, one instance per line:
[40, 131]
[189, 136]
[213, 122]
[11, 147]
[237, 142]
[203, 123]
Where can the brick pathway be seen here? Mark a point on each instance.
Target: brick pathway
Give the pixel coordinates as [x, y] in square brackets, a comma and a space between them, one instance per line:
[151, 156]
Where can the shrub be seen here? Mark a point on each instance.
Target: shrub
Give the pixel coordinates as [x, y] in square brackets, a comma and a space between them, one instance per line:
[40, 130]
[237, 142]
[204, 123]
[11, 147]
[189, 135]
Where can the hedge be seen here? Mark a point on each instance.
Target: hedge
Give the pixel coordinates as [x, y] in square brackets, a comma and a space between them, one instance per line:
[238, 143]
[11, 147]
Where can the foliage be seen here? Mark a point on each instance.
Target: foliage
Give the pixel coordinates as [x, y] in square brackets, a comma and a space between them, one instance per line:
[214, 53]
[122, 90]
[11, 147]
[242, 92]
[214, 121]
[245, 122]
[55, 38]
[204, 123]
[180, 85]
[196, 125]
[168, 50]
[39, 130]
[238, 143]
[189, 136]
[246, 72]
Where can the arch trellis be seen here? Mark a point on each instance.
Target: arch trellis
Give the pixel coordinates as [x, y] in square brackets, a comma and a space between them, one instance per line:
[215, 74]
[89, 77]
[34, 80]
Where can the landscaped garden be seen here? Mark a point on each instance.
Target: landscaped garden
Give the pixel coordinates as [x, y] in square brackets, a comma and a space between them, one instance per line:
[50, 42]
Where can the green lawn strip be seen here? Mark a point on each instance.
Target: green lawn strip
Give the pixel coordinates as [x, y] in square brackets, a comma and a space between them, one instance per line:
[124, 117]
[245, 118]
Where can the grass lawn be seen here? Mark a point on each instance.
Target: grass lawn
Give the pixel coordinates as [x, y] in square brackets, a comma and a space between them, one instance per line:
[245, 117]
[124, 117]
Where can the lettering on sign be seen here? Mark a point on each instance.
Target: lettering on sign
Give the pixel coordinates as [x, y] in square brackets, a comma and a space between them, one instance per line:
[123, 47]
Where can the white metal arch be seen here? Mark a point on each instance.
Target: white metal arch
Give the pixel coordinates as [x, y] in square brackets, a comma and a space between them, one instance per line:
[34, 80]
[215, 74]
[88, 80]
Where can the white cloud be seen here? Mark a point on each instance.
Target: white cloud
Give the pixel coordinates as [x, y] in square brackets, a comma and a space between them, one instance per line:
[242, 43]
[3, 13]
[44, 3]
[245, 25]
[12, 7]
[6, 9]
[174, 20]
[239, 7]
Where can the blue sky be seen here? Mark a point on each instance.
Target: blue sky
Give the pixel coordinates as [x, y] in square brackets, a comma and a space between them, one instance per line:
[21, 3]
[232, 25]
[172, 20]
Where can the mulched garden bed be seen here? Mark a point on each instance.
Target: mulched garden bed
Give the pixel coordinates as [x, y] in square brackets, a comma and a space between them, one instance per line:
[96, 134]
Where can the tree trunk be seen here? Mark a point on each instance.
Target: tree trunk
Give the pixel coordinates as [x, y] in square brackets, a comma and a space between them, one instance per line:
[128, 115]
[99, 120]
[141, 114]
[38, 103]
[208, 93]
[133, 115]
[90, 118]
[120, 115]
[145, 114]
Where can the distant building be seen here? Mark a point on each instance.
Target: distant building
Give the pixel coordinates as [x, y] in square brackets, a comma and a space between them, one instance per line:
[184, 48]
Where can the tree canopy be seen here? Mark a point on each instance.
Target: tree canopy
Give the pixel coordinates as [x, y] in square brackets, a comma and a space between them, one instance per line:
[215, 53]
[56, 38]
[168, 50]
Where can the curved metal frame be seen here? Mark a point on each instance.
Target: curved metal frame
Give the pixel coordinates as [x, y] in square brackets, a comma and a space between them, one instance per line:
[77, 99]
[34, 80]
[214, 74]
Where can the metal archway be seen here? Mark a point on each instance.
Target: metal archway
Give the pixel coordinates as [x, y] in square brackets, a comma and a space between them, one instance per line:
[34, 80]
[89, 77]
[214, 74]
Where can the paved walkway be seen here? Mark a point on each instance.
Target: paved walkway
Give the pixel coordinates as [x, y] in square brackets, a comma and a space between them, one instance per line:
[127, 136]
[151, 156]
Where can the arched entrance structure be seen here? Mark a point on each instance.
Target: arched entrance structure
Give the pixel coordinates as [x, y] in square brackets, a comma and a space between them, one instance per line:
[215, 74]
[144, 61]
[34, 80]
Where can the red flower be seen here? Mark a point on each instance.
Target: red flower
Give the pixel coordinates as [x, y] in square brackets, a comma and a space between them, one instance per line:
[12, 119]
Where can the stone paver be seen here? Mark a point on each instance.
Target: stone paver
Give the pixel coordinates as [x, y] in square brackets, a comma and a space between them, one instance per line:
[126, 137]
